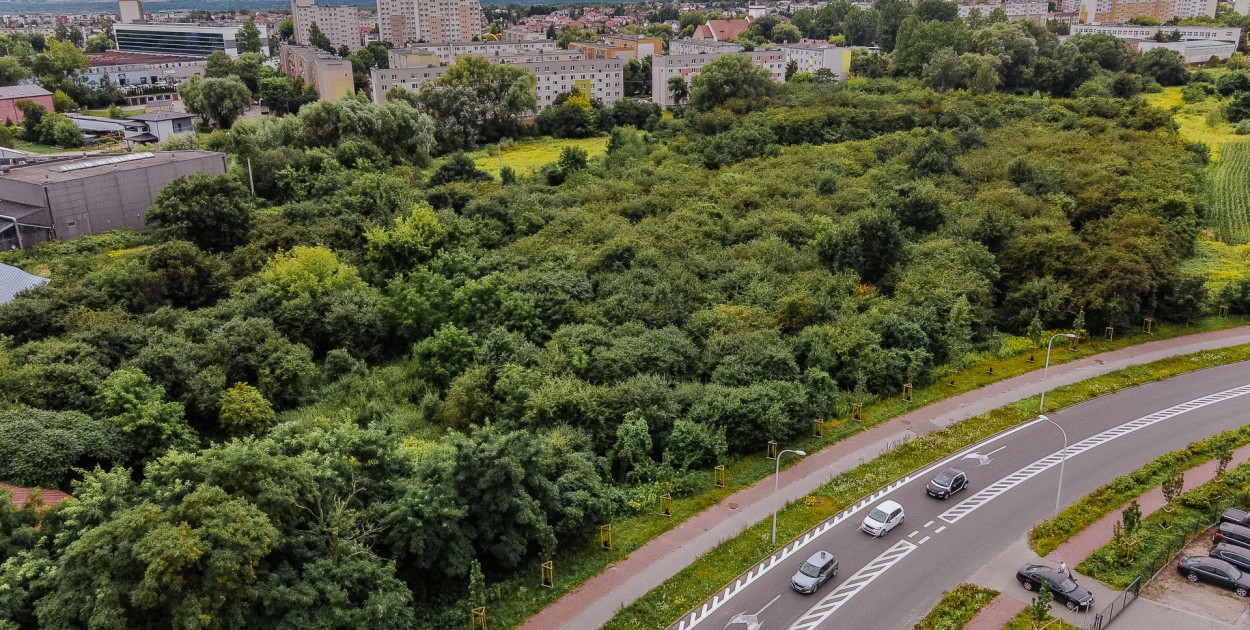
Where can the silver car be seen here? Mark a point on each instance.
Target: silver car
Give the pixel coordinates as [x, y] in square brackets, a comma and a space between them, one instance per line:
[817, 570]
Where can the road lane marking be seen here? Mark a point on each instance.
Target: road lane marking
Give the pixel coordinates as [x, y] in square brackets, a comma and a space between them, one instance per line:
[939, 530]
[853, 585]
[924, 540]
[1036, 468]
[761, 611]
[913, 534]
[928, 524]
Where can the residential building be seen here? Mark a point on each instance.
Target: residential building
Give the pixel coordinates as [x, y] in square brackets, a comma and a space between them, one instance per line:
[64, 199]
[129, 11]
[14, 281]
[99, 127]
[330, 75]
[127, 68]
[165, 125]
[813, 57]
[757, 10]
[722, 30]
[1121, 11]
[195, 40]
[339, 23]
[701, 47]
[516, 35]
[602, 79]
[447, 53]
[1133, 31]
[404, 22]
[38, 498]
[11, 94]
[620, 47]
[1030, 10]
[664, 67]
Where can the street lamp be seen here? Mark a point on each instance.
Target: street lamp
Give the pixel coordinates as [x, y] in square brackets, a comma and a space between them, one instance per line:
[776, 481]
[1040, 414]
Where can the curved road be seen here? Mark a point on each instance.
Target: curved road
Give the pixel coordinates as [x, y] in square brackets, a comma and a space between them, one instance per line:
[891, 582]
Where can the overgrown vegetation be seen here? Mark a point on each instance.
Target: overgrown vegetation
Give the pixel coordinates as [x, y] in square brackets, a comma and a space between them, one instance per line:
[957, 608]
[1049, 534]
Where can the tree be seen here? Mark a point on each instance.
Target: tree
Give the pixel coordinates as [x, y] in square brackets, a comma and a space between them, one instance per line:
[678, 90]
[958, 334]
[1039, 608]
[130, 400]
[219, 65]
[786, 33]
[918, 41]
[1172, 488]
[276, 93]
[444, 355]
[500, 92]
[413, 240]
[892, 14]
[39, 448]
[1166, 66]
[317, 39]
[221, 100]
[939, 10]
[792, 67]
[244, 411]
[732, 81]
[458, 168]
[215, 213]
[286, 30]
[248, 38]
[1131, 517]
[59, 130]
[99, 43]
[12, 71]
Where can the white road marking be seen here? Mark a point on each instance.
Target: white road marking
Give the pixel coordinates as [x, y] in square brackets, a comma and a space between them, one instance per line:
[928, 524]
[767, 605]
[939, 530]
[913, 534]
[1001, 486]
[853, 585]
[924, 540]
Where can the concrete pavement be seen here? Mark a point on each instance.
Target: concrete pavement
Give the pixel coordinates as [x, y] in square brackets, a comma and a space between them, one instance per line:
[594, 602]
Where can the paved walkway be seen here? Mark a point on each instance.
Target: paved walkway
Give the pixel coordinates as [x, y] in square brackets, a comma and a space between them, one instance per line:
[597, 600]
[1004, 608]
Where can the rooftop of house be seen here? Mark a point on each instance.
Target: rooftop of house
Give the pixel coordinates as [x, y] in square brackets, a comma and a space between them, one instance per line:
[22, 91]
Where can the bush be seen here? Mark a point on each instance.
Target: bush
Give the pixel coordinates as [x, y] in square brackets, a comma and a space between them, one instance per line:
[1242, 128]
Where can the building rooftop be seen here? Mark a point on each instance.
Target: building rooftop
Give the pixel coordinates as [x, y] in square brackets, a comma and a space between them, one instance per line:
[22, 91]
[158, 116]
[47, 498]
[93, 165]
[14, 281]
[121, 58]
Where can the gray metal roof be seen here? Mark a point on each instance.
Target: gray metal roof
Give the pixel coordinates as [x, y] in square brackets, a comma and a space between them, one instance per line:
[14, 281]
[155, 116]
[22, 91]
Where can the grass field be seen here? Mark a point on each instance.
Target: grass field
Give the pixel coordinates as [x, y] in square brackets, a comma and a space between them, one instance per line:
[1192, 119]
[1218, 262]
[1228, 193]
[528, 156]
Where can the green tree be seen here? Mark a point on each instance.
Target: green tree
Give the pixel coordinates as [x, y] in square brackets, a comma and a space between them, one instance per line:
[957, 337]
[936, 10]
[892, 15]
[61, 102]
[678, 90]
[732, 81]
[244, 411]
[12, 71]
[633, 448]
[219, 65]
[131, 401]
[39, 448]
[918, 41]
[458, 168]
[286, 30]
[442, 356]
[1163, 65]
[247, 40]
[222, 100]
[414, 239]
[100, 43]
[1039, 608]
[59, 130]
[318, 39]
[785, 33]
[501, 93]
[215, 213]
[276, 93]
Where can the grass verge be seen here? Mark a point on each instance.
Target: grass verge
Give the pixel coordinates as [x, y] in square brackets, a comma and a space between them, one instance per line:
[1150, 546]
[957, 608]
[1025, 621]
[1051, 533]
[677, 595]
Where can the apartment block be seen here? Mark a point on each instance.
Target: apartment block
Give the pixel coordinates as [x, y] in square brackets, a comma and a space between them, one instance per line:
[1121, 11]
[813, 57]
[339, 23]
[620, 47]
[1133, 31]
[129, 11]
[1031, 11]
[197, 40]
[602, 79]
[330, 75]
[447, 53]
[808, 57]
[405, 22]
[701, 47]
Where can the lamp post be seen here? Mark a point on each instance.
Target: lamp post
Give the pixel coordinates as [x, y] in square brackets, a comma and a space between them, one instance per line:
[776, 482]
[1041, 408]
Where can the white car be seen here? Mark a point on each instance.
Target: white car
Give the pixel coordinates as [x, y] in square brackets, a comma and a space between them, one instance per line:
[882, 519]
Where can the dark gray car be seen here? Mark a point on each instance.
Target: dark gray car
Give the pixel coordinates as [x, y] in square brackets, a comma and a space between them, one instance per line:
[1216, 571]
[947, 482]
[816, 570]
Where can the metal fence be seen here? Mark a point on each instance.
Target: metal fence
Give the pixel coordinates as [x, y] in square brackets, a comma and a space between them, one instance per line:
[1103, 618]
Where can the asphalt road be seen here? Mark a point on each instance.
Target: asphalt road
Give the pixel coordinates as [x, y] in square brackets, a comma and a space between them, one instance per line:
[891, 582]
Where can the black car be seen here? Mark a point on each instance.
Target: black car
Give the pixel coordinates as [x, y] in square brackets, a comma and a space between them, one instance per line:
[817, 570]
[1216, 571]
[1064, 588]
[1232, 554]
[1232, 534]
[947, 482]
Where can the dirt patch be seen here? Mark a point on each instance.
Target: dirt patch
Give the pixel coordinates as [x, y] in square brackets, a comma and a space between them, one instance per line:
[1200, 598]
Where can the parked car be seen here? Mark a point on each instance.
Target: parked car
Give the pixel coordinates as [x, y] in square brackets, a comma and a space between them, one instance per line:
[814, 572]
[1232, 534]
[946, 483]
[1232, 554]
[1064, 588]
[1216, 571]
[882, 518]
[1236, 517]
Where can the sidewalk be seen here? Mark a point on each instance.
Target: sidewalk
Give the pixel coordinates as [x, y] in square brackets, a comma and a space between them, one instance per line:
[597, 600]
[1004, 608]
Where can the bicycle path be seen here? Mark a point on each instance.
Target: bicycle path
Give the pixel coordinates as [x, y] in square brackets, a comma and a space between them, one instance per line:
[597, 600]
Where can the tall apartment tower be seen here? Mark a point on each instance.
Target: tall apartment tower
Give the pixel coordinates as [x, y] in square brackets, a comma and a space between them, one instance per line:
[340, 23]
[404, 22]
[129, 11]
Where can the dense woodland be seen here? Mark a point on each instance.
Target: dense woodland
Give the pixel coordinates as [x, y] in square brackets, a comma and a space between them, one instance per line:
[326, 406]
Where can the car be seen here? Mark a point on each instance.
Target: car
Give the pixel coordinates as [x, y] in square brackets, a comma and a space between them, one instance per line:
[1216, 571]
[946, 483]
[1232, 534]
[814, 572]
[882, 519]
[1062, 586]
[1236, 517]
[1232, 554]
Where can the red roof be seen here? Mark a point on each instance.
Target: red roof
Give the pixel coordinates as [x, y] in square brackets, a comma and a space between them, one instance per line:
[722, 30]
[47, 498]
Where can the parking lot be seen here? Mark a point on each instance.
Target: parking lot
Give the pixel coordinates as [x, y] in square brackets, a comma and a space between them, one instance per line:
[1207, 600]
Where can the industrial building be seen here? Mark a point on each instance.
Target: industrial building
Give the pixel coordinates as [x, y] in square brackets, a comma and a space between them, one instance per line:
[196, 40]
[67, 198]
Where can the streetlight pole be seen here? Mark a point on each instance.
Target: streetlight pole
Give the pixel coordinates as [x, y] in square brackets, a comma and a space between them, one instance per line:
[776, 482]
[1041, 414]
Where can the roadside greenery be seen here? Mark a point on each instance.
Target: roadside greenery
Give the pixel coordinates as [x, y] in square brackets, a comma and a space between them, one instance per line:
[1027, 621]
[957, 608]
[1166, 531]
[690, 587]
[1049, 534]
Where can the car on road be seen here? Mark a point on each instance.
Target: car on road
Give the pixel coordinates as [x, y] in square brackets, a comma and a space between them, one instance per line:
[946, 483]
[1232, 534]
[814, 572]
[1216, 571]
[1064, 588]
[882, 519]
[1232, 554]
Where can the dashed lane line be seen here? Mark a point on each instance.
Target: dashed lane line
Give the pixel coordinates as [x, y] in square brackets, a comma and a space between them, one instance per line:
[853, 585]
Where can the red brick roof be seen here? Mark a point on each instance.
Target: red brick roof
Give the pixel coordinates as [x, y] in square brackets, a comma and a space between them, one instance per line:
[47, 498]
[723, 30]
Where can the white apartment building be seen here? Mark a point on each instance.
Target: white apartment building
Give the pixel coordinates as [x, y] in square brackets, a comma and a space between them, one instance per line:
[813, 57]
[1132, 31]
[1030, 10]
[688, 46]
[808, 57]
[1121, 11]
[602, 79]
[339, 23]
[405, 22]
[447, 53]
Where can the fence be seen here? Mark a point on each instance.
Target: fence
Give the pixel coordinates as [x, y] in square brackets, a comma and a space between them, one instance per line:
[1103, 618]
